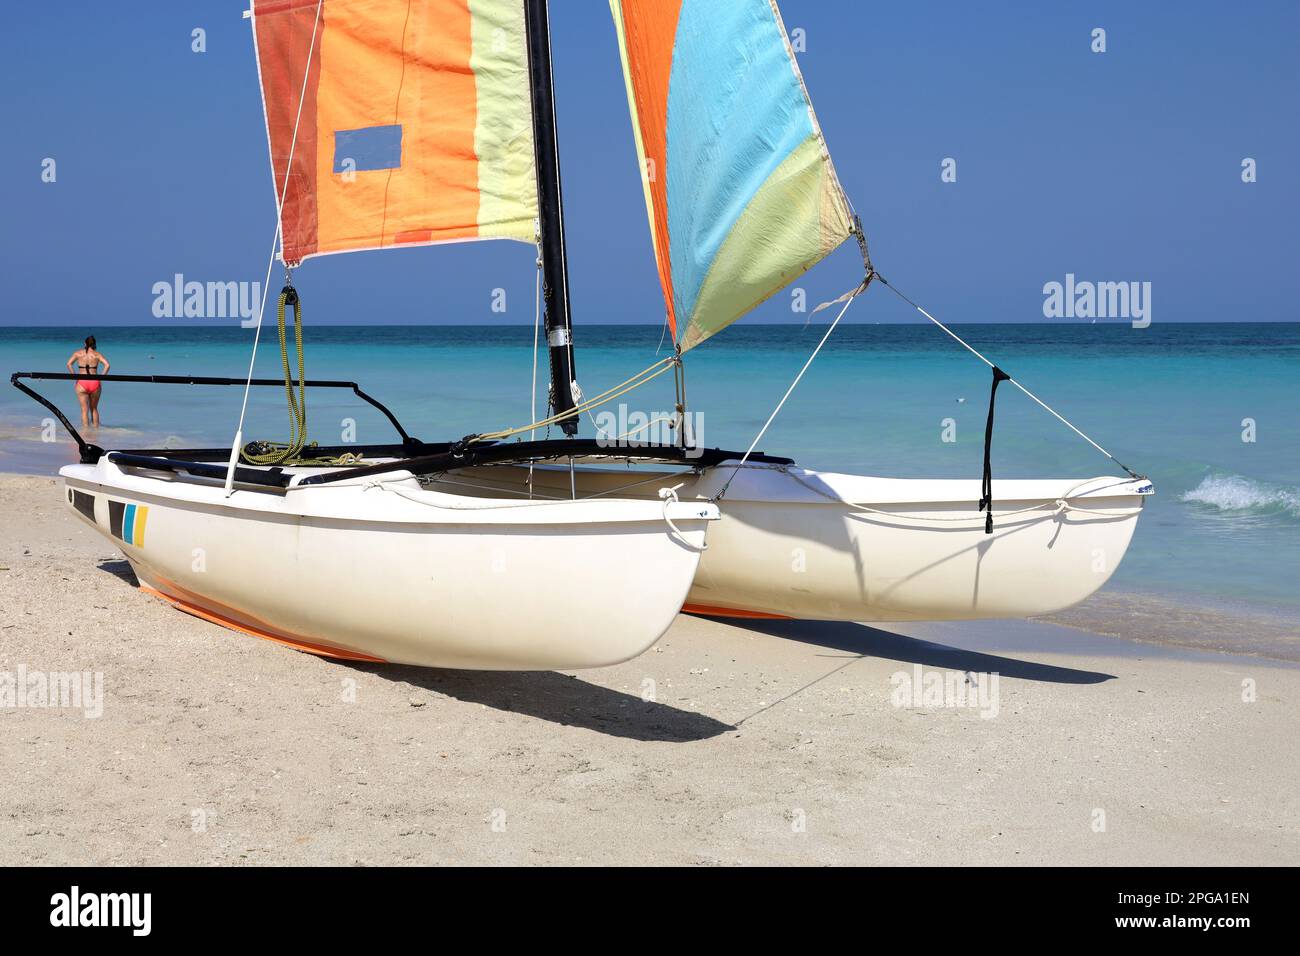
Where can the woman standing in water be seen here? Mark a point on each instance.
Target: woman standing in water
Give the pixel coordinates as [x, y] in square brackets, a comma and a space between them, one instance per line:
[89, 390]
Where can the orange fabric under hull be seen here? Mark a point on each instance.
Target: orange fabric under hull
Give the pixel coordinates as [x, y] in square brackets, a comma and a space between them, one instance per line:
[296, 643]
[709, 611]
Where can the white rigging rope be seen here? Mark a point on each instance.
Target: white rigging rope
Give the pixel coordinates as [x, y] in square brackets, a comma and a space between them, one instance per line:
[966, 345]
[779, 405]
[266, 284]
[872, 274]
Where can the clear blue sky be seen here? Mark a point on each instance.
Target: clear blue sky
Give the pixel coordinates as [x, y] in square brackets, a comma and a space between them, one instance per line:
[1116, 166]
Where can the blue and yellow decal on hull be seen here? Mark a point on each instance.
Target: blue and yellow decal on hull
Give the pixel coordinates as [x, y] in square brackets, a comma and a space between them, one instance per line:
[127, 522]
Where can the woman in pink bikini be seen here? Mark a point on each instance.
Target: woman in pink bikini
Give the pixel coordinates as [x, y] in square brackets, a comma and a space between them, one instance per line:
[87, 361]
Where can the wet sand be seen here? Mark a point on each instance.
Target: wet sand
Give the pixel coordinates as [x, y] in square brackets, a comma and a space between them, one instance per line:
[1152, 619]
[770, 742]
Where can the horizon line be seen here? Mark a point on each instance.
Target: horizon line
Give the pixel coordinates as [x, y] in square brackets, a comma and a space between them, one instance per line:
[203, 324]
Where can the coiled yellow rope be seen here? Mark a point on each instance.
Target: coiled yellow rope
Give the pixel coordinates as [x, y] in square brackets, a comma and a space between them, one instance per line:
[290, 452]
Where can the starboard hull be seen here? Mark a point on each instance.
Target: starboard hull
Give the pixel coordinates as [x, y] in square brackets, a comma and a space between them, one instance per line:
[802, 544]
[392, 572]
[822, 546]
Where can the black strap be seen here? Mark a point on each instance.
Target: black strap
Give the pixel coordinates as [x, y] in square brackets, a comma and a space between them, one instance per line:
[986, 489]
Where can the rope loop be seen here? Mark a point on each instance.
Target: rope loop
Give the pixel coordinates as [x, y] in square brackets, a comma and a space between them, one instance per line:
[282, 453]
[669, 497]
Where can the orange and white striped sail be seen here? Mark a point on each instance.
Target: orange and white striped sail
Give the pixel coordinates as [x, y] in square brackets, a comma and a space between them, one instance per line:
[413, 122]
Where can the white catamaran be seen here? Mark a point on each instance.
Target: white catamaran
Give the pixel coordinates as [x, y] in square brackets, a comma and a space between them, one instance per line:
[391, 126]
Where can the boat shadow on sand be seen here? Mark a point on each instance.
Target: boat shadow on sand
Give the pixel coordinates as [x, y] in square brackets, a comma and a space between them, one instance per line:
[120, 569]
[866, 641]
[561, 699]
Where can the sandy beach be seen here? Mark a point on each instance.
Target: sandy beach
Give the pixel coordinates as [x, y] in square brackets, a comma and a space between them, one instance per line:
[728, 743]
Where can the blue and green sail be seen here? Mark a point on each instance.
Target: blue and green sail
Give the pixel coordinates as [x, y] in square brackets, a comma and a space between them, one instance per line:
[740, 190]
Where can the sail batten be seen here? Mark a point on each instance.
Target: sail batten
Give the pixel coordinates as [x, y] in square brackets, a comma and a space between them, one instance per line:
[415, 126]
[740, 191]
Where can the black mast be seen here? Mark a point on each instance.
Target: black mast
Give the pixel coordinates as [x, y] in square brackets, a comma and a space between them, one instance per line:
[550, 200]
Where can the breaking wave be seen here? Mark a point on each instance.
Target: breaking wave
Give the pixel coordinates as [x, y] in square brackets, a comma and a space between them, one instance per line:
[1237, 495]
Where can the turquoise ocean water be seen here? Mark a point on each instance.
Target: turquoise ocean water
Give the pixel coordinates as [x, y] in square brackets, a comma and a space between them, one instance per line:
[1169, 400]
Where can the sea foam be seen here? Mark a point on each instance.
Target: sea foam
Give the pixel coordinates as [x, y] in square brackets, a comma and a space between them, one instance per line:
[1233, 493]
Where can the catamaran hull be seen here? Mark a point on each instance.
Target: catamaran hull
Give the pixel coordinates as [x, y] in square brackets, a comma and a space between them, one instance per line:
[822, 546]
[802, 544]
[392, 572]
